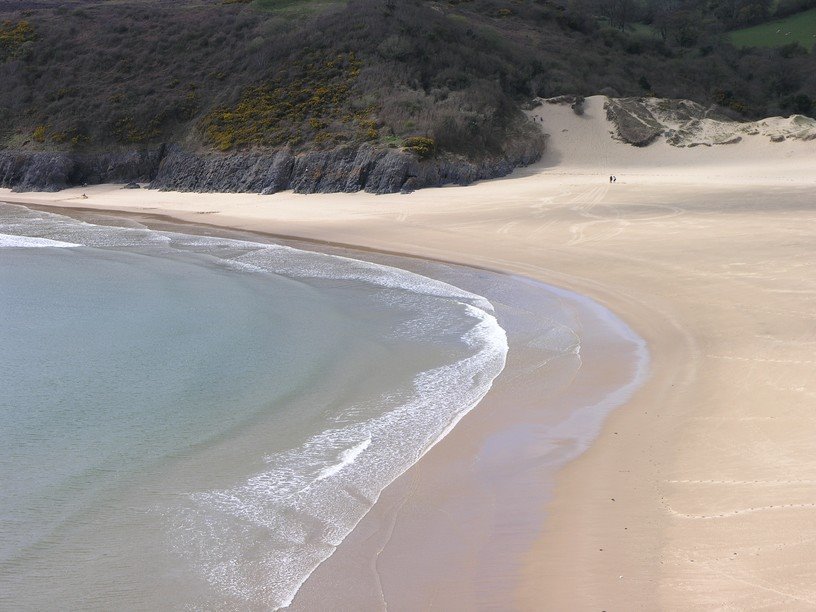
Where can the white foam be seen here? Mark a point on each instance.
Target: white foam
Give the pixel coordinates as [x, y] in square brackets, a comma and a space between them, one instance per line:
[347, 457]
[24, 223]
[305, 517]
[8, 241]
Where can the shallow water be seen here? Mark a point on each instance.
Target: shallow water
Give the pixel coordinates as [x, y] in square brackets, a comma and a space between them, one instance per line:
[193, 421]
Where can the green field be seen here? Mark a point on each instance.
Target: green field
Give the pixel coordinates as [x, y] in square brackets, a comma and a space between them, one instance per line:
[799, 28]
[294, 7]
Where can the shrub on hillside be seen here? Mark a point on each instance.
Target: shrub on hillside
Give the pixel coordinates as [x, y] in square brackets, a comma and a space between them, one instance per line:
[228, 75]
[422, 146]
[13, 37]
[308, 102]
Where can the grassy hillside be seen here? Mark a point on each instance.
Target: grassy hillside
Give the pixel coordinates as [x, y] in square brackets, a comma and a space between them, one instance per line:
[312, 74]
[293, 8]
[799, 28]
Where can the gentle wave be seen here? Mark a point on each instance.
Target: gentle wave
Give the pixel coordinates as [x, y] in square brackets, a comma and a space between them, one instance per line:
[23, 223]
[347, 457]
[308, 499]
[306, 518]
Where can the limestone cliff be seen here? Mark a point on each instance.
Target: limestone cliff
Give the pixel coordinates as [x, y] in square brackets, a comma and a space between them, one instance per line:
[343, 169]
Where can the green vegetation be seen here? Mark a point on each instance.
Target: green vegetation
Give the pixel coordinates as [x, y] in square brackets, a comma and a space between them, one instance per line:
[799, 29]
[294, 7]
[307, 104]
[13, 36]
[424, 147]
[436, 77]
[39, 133]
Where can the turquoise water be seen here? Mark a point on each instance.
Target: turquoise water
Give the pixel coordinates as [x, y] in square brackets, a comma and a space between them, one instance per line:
[198, 422]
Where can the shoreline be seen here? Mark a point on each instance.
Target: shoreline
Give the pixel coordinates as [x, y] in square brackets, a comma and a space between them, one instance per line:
[706, 254]
[492, 434]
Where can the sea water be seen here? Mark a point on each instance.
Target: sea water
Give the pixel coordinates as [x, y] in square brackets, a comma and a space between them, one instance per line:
[192, 422]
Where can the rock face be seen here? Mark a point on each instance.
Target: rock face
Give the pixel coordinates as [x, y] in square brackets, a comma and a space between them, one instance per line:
[635, 124]
[344, 169]
[641, 121]
[25, 171]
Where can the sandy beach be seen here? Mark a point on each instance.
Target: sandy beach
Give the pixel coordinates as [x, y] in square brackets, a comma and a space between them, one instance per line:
[697, 494]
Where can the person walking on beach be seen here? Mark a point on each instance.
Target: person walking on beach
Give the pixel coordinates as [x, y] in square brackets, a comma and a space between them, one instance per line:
[611, 178]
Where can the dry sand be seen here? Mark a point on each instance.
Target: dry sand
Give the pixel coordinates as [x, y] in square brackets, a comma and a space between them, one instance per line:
[700, 492]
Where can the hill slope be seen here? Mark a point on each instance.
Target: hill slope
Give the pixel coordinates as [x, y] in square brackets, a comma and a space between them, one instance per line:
[328, 95]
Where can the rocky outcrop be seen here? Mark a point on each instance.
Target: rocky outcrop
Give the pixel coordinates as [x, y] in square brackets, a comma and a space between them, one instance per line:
[343, 169]
[575, 102]
[27, 171]
[35, 171]
[634, 123]
[682, 123]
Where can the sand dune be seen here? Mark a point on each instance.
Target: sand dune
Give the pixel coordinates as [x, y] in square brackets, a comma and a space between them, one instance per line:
[699, 492]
